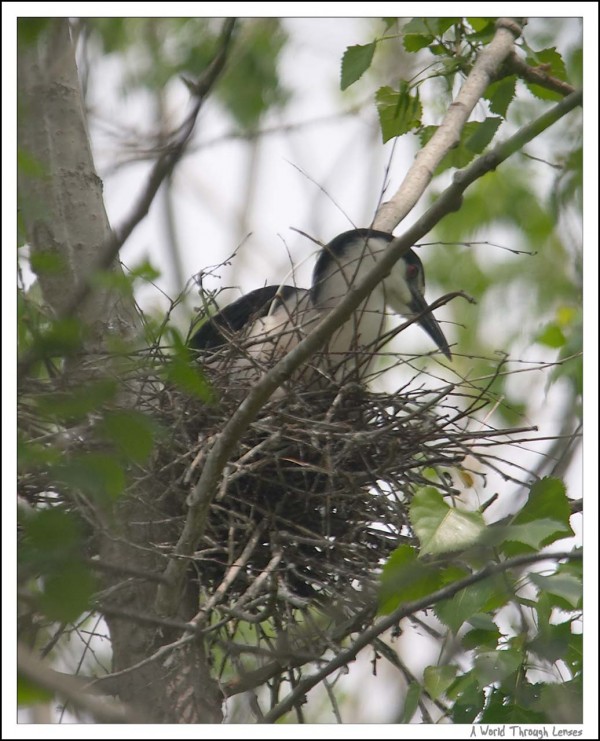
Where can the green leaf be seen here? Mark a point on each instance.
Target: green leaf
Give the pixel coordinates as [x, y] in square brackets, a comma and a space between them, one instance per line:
[469, 699]
[417, 25]
[113, 281]
[63, 337]
[478, 24]
[132, 432]
[52, 528]
[96, 474]
[32, 456]
[412, 42]
[563, 702]
[441, 25]
[355, 62]
[547, 500]
[533, 534]
[482, 621]
[500, 94]
[543, 93]
[495, 666]
[441, 528]
[551, 336]
[29, 693]
[51, 552]
[405, 578]
[437, 679]
[145, 271]
[399, 112]
[572, 355]
[66, 593]
[78, 402]
[47, 262]
[574, 657]
[477, 639]
[411, 702]
[552, 63]
[469, 601]
[552, 642]
[251, 87]
[440, 50]
[479, 136]
[50, 538]
[483, 30]
[566, 586]
[188, 377]
[502, 708]
[550, 60]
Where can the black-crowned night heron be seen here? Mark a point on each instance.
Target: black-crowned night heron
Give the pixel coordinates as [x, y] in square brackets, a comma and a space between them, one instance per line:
[269, 321]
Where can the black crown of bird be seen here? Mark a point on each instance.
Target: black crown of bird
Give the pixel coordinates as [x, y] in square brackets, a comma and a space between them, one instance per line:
[266, 323]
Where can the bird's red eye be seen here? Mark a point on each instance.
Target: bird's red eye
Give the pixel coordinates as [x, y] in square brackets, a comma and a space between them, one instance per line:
[411, 271]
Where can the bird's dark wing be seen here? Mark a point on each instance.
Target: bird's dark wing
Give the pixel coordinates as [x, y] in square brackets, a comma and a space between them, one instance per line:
[236, 316]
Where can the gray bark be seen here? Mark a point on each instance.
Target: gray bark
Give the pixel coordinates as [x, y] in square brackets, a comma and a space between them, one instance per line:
[63, 215]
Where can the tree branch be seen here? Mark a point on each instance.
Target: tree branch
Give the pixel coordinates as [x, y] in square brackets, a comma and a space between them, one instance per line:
[216, 459]
[73, 690]
[447, 136]
[514, 65]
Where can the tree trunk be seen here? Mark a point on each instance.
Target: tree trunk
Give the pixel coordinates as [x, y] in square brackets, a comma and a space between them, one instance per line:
[65, 220]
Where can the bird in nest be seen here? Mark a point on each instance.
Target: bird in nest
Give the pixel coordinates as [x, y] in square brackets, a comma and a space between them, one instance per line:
[261, 326]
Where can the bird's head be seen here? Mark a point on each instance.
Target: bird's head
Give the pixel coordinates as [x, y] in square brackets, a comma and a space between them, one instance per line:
[347, 258]
[405, 294]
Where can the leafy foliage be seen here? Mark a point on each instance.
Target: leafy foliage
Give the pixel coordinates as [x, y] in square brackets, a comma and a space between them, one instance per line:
[500, 686]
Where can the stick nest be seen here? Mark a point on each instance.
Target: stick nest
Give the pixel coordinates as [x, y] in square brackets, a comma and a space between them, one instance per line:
[315, 497]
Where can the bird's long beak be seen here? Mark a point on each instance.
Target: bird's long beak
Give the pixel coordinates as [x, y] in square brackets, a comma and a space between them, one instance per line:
[429, 323]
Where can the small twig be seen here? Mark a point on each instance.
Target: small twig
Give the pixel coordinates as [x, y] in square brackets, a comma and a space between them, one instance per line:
[230, 576]
[535, 75]
[333, 700]
[111, 568]
[145, 619]
[390, 655]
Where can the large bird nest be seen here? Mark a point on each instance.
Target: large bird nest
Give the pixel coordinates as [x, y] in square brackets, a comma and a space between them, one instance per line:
[315, 497]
